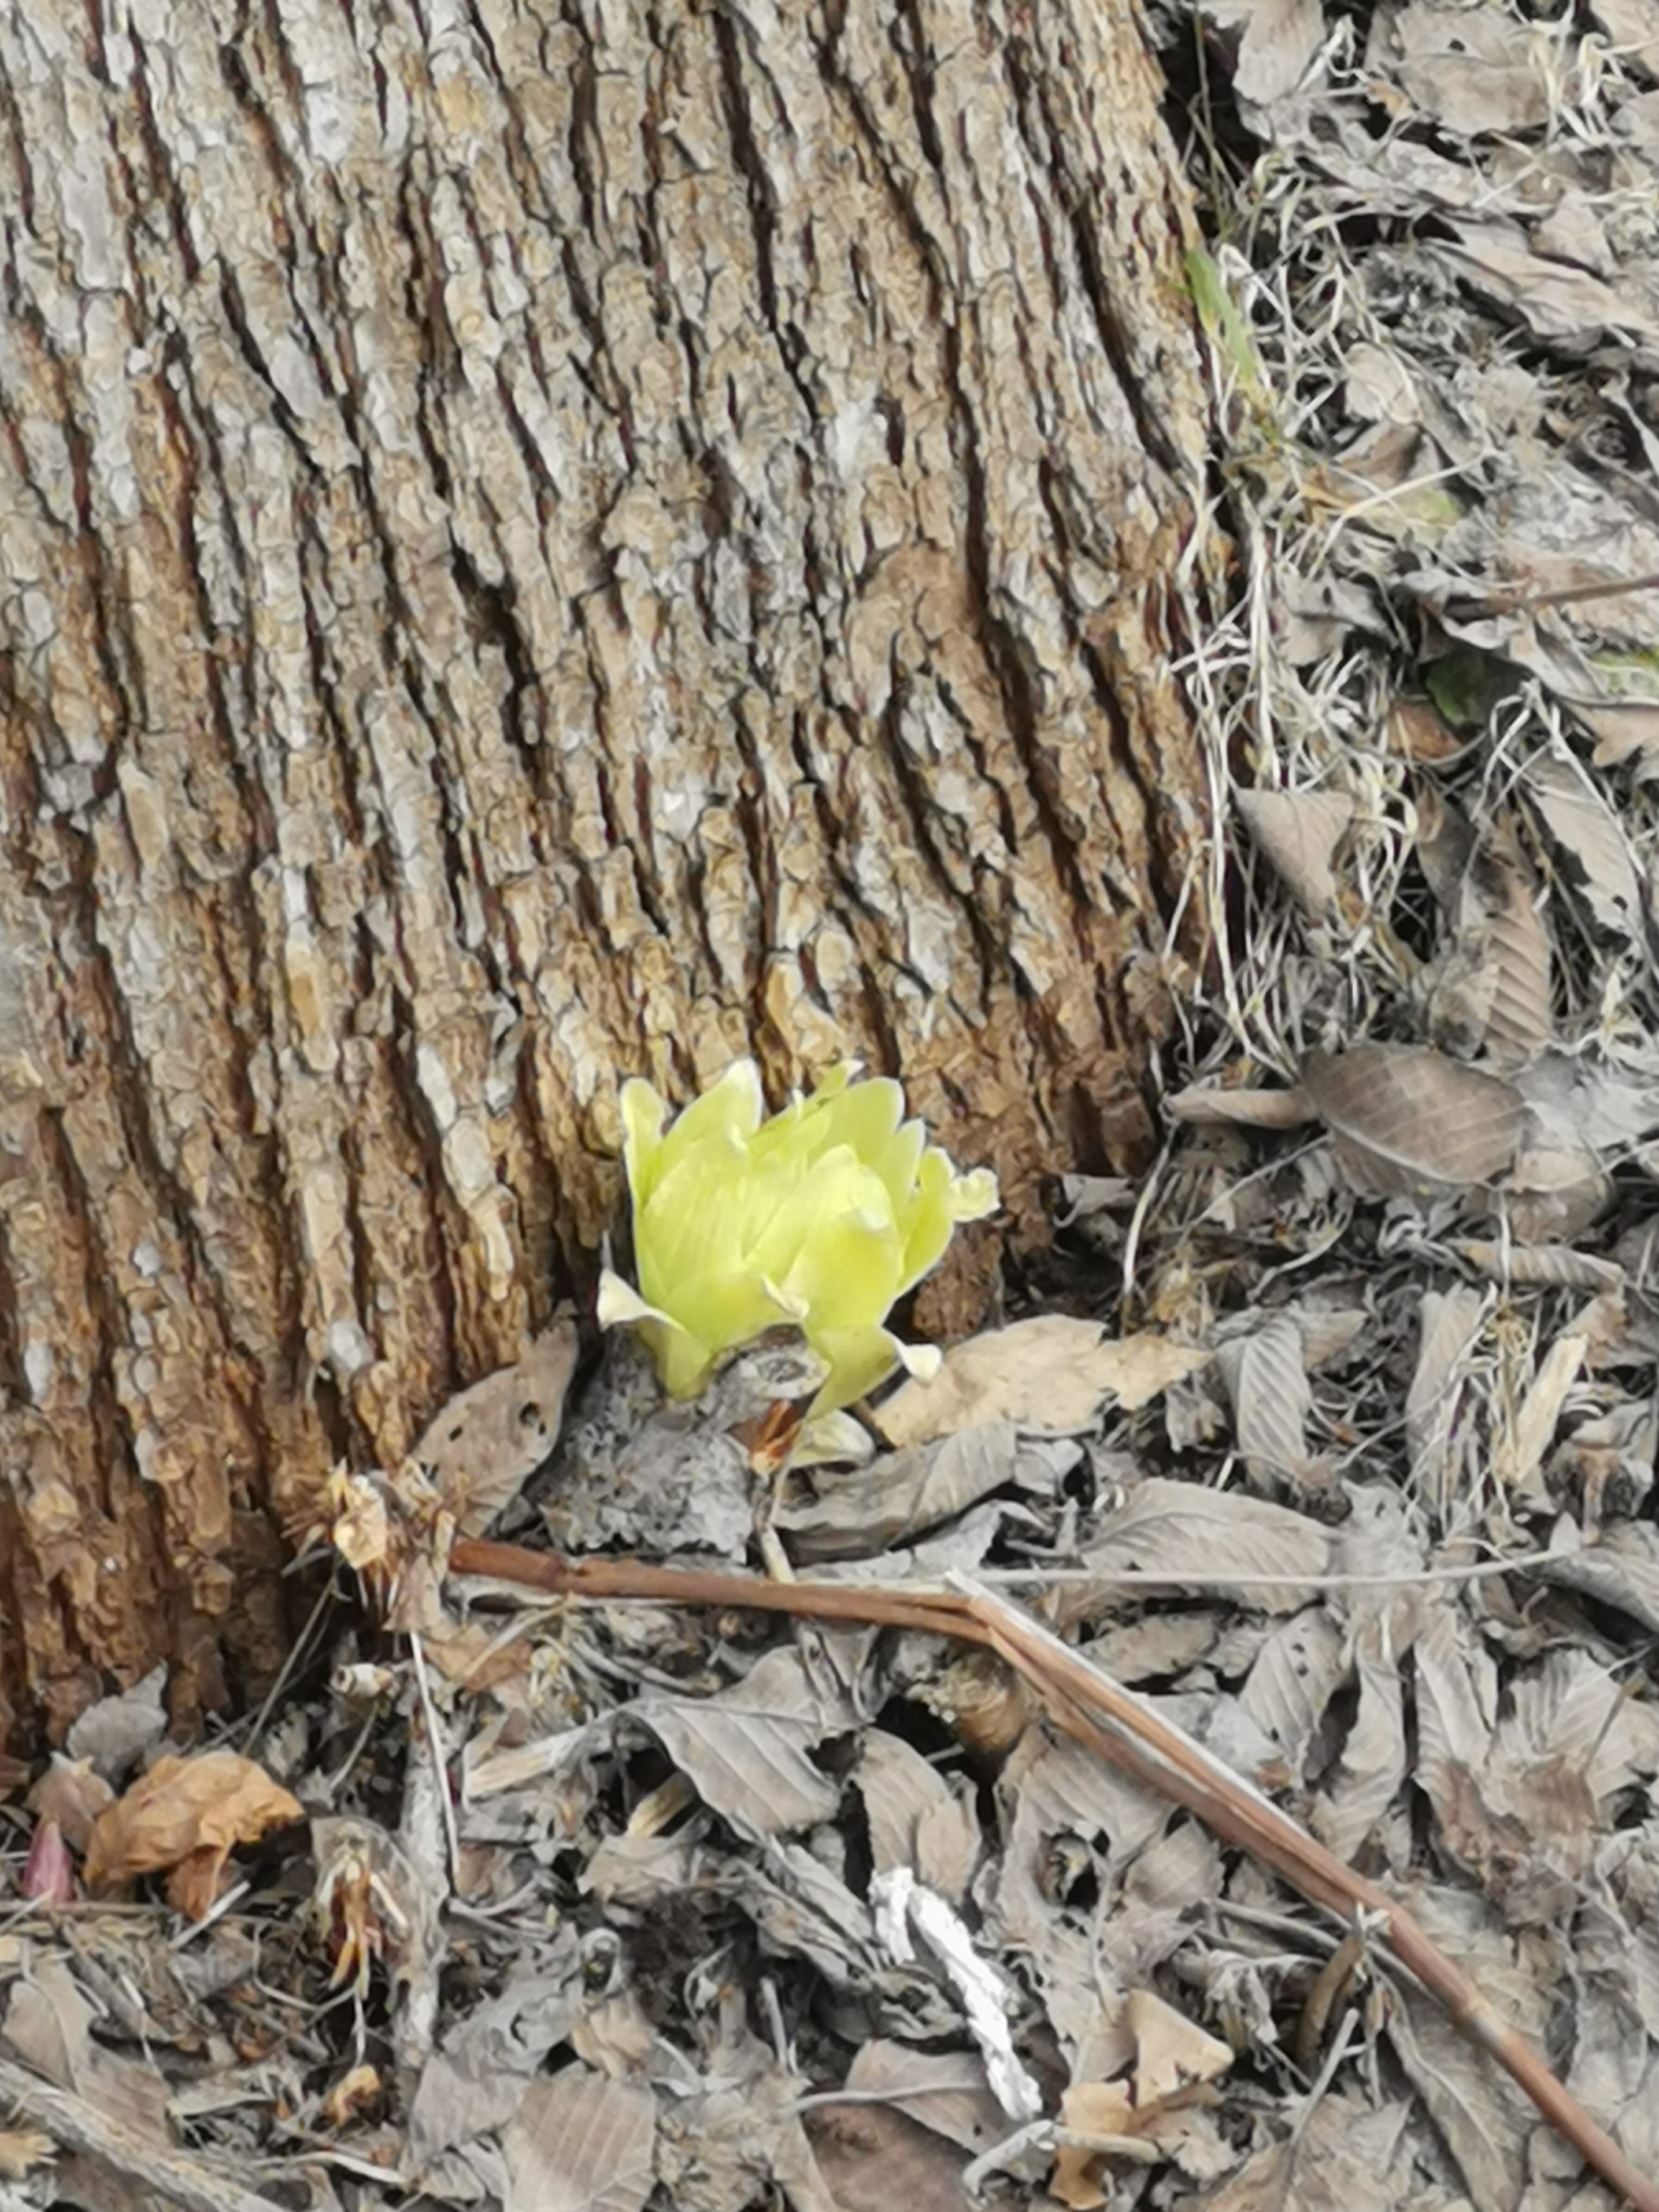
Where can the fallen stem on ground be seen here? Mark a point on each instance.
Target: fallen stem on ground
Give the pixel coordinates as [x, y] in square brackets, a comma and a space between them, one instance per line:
[1088, 1705]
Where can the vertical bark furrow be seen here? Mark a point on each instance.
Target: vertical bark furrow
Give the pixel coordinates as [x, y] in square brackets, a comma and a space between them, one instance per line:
[537, 540]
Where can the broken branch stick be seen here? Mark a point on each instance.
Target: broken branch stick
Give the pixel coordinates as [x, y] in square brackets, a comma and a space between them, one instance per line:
[1114, 1723]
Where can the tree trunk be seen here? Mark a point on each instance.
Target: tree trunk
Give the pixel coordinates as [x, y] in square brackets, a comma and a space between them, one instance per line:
[541, 542]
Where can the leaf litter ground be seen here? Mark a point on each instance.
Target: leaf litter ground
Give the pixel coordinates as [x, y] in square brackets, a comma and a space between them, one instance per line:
[1341, 1450]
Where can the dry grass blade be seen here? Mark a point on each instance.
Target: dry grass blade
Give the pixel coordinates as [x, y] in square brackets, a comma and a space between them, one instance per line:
[1404, 1119]
[1091, 1706]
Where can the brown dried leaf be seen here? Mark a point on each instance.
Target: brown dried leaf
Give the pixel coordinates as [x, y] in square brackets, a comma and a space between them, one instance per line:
[1406, 1120]
[745, 1749]
[1451, 1322]
[1620, 1569]
[905, 1796]
[186, 1813]
[1633, 26]
[1171, 2051]
[1417, 728]
[1280, 37]
[1168, 1533]
[1471, 68]
[1373, 1761]
[488, 1440]
[895, 1499]
[1485, 2119]
[1054, 1373]
[1105, 2111]
[1202, 1106]
[1266, 1382]
[48, 2025]
[1492, 988]
[1296, 1674]
[1587, 832]
[579, 2143]
[1557, 1185]
[1299, 831]
[1348, 2159]
[1547, 1264]
[874, 2158]
[1551, 298]
[943, 2090]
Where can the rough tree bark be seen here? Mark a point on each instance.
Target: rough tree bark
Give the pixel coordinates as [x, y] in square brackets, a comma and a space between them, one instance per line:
[539, 540]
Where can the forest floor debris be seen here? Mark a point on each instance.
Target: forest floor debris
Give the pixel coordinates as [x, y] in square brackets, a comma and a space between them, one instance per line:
[1332, 1438]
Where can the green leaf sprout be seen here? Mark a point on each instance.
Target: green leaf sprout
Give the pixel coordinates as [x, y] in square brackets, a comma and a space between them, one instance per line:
[822, 1215]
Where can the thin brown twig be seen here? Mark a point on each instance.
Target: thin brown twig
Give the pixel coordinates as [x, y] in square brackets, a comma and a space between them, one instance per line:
[1089, 1706]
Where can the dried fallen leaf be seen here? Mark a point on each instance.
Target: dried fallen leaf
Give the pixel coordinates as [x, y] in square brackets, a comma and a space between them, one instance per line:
[1471, 68]
[1205, 1106]
[579, 2143]
[186, 1813]
[1171, 2051]
[891, 1503]
[1451, 1324]
[487, 1442]
[1588, 833]
[1265, 1377]
[1299, 831]
[1102, 2110]
[1054, 1373]
[1491, 991]
[1169, 1533]
[944, 2090]
[747, 1750]
[874, 2158]
[1406, 1120]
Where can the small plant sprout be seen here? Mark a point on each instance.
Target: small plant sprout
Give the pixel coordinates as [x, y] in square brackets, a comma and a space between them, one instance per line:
[822, 1215]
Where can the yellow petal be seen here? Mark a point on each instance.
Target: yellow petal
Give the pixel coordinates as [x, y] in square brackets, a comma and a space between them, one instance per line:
[733, 1108]
[683, 1360]
[644, 1110]
[858, 1359]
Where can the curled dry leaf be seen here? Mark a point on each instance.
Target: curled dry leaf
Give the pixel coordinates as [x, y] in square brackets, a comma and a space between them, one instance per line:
[1054, 1373]
[1547, 1264]
[1205, 1107]
[1405, 1119]
[186, 1815]
[487, 1440]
